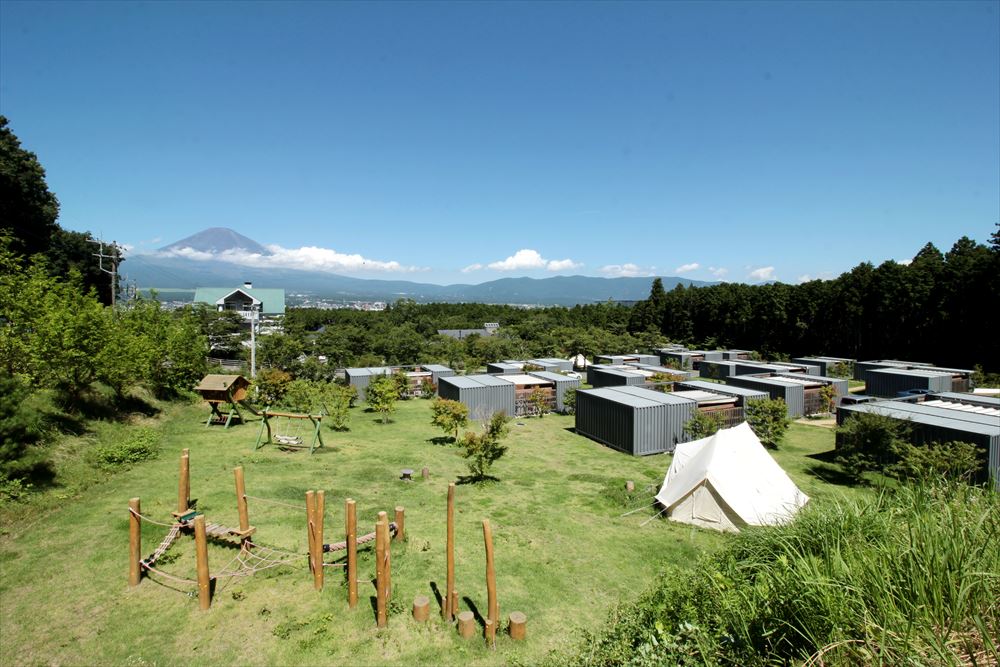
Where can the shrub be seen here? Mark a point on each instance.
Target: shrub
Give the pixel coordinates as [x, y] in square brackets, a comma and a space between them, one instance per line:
[870, 441]
[569, 400]
[702, 425]
[270, 385]
[769, 420]
[382, 394]
[539, 401]
[937, 461]
[20, 426]
[136, 445]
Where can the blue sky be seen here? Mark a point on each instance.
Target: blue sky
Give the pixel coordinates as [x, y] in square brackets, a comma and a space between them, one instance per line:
[461, 142]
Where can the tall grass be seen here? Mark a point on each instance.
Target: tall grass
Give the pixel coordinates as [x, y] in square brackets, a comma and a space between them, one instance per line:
[907, 577]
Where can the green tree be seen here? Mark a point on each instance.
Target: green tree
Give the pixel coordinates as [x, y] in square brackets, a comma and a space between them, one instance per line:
[828, 397]
[769, 420]
[336, 404]
[484, 449]
[702, 424]
[539, 400]
[936, 461]
[27, 208]
[449, 416]
[382, 394]
[19, 425]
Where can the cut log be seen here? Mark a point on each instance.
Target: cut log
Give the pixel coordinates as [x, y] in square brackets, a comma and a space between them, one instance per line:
[421, 608]
[466, 624]
[518, 625]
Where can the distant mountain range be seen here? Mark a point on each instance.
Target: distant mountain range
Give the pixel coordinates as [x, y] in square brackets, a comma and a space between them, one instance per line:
[171, 270]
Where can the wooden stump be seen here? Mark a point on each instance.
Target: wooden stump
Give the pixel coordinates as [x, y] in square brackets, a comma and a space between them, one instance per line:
[400, 519]
[518, 625]
[421, 608]
[630, 486]
[466, 624]
[425, 473]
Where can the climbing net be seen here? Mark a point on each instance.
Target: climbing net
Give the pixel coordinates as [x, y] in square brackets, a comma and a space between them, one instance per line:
[250, 559]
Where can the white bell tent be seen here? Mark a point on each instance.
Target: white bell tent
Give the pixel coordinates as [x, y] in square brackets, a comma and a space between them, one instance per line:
[727, 481]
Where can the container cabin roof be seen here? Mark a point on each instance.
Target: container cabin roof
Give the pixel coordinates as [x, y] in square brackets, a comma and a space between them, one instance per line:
[920, 414]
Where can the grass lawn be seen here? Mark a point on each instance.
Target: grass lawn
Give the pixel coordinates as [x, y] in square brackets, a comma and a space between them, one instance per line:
[564, 553]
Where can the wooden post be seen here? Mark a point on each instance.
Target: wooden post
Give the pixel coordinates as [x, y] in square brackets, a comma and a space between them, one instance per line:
[311, 529]
[380, 598]
[201, 554]
[449, 610]
[187, 479]
[134, 543]
[466, 624]
[630, 486]
[518, 625]
[184, 484]
[241, 502]
[425, 472]
[400, 518]
[387, 558]
[454, 601]
[319, 509]
[493, 608]
[421, 608]
[352, 554]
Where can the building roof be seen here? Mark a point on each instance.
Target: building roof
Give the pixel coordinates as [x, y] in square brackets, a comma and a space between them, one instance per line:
[727, 389]
[522, 379]
[932, 416]
[272, 299]
[962, 407]
[971, 399]
[611, 394]
[704, 397]
[912, 372]
[651, 395]
[554, 377]
[435, 368]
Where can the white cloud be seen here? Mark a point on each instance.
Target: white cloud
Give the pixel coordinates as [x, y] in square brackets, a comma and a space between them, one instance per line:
[762, 274]
[527, 258]
[472, 267]
[627, 270]
[719, 272]
[804, 278]
[904, 262]
[306, 258]
[684, 268]
[562, 265]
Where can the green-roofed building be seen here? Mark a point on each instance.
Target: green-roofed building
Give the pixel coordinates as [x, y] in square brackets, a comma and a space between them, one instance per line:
[245, 300]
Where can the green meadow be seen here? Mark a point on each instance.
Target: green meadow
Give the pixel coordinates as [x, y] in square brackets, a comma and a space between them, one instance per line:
[567, 548]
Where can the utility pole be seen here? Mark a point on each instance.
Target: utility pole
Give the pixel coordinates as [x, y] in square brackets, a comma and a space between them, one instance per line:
[253, 340]
[115, 258]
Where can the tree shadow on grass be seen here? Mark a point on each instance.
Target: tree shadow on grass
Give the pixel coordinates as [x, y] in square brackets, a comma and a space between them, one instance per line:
[441, 440]
[437, 595]
[473, 479]
[833, 475]
[475, 611]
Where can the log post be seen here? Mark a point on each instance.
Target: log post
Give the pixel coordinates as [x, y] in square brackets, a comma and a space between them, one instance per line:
[454, 601]
[493, 608]
[400, 518]
[201, 554]
[352, 553]
[134, 543]
[387, 562]
[466, 624]
[184, 484]
[241, 503]
[381, 619]
[518, 625]
[311, 529]
[421, 608]
[319, 509]
[425, 473]
[630, 486]
[449, 610]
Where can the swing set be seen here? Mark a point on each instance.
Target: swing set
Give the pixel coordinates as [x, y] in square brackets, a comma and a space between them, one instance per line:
[295, 432]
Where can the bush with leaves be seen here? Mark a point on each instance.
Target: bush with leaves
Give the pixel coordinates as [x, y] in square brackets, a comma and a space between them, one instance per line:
[539, 400]
[428, 390]
[702, 424]
[19, 424]
[484, 449]
[937, 461]
[828, 397]
[769, 420]
[569, 401]
[270, 385]
[449, 416]
[869, 442]
[336, 401]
